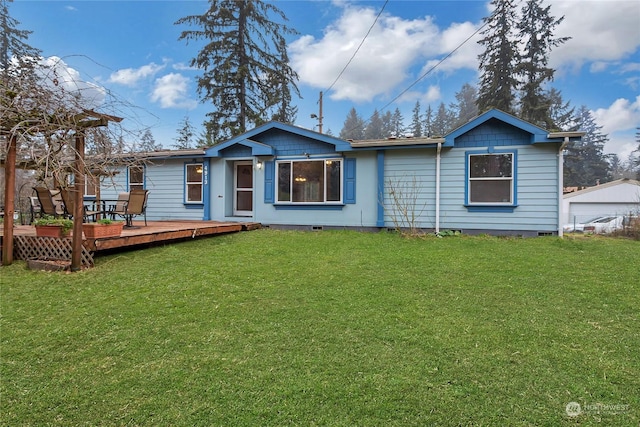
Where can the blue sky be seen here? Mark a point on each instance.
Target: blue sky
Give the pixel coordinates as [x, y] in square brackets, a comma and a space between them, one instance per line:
[129, 50]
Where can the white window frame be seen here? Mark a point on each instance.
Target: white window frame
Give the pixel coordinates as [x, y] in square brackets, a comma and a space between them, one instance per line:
[188, 183]
[324, 161]
[510, 179]
[130, 184]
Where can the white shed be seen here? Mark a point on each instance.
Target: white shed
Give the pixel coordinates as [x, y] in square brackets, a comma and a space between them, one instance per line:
[620, 197]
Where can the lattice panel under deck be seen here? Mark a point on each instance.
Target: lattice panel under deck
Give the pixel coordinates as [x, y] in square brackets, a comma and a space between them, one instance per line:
[51, 248]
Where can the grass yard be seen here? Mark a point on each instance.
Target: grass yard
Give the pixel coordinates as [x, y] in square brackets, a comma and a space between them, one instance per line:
[275, 328]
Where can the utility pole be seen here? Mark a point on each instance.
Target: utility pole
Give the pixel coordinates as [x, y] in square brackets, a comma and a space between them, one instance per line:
[319, 117]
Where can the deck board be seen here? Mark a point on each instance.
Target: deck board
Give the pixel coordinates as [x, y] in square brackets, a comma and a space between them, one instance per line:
[155, 232]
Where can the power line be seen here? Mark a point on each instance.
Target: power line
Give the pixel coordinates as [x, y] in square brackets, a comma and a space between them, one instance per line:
[359, 46]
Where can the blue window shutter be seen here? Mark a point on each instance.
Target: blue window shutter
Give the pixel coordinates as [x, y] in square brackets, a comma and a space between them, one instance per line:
[349, 181]
[269, 181]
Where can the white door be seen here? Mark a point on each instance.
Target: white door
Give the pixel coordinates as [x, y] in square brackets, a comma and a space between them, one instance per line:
[243, 189]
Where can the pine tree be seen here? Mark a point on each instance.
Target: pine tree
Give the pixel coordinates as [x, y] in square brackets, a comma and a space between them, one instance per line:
[416, 122]
[374, 129]
[13, 45]
[465, 109]
[397, 124]
[353, 127]
[428, 121]
[536, 31]
[184, 140]
[147, 143]
[442, 122]
[560, 112]
[498, 83]
[245, 73]
[585, 165]
[387, 124]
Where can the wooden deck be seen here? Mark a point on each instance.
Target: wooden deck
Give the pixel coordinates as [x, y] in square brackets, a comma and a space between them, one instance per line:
[153, 233]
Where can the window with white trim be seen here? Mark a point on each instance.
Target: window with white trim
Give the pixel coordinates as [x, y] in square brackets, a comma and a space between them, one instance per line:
[491, 179]
[135, 177]
[309, 181]
[193, 182]
[91, 185]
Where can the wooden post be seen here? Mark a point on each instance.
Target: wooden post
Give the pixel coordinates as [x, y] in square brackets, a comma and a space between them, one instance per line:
[78, 208]
[9, 200]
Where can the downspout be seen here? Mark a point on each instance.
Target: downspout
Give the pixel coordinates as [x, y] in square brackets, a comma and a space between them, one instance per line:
[561, 183]
[437, 228]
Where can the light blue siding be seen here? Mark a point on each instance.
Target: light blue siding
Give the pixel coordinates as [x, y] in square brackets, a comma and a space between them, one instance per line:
[537, 184]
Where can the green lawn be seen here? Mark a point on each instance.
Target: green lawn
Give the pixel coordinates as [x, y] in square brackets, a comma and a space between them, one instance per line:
[274, 328]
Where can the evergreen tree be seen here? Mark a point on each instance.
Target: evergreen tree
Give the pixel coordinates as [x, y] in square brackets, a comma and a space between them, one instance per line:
[416, 122]
[498, 82]
[428, 121]
[353, 127]
[374, 129]
[442, 122]
[147, 143]
[184, 140]
[536, 31]
[245, 73]
[585, 165]
[397, 124]
[13, 45]
[387, 124]
[465, 109]
[560, 112]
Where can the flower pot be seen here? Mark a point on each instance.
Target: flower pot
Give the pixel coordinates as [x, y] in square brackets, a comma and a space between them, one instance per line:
[97, 231]
[50, 231]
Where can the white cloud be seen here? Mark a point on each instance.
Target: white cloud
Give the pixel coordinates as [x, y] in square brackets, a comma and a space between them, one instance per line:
[600, 31]
[131, 76]
[379, 66]
[172, 91]
[69, 84]
[619, 121]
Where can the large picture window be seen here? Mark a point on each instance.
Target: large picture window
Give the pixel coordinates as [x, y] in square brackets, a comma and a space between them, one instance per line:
[491, 179]
[193, 183]
[309, 181]
[135, 175]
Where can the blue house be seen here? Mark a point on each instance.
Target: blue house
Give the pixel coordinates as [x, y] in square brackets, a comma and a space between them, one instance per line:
[496, 174]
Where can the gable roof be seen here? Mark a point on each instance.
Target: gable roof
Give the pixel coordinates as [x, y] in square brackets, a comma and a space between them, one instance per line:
[249, 139]
[538, 135]
[602, 187]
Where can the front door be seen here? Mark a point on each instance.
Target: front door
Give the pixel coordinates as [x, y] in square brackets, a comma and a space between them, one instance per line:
[243, 189]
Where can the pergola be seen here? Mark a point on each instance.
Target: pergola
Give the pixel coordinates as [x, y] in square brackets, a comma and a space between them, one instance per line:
[79, 123]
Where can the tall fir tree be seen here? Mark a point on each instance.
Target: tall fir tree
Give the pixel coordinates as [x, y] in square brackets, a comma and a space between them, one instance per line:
[353, 127]
[244, 64]
[387, 124]
[416, 121]
[428, 121]
[465, 108]
[443, 121]
[560, 112]
[498, 82]
[397, 124]
[184, 140]
[374, 128]
[585, 164]
[147, 143]
[536, 30]
[15, 52]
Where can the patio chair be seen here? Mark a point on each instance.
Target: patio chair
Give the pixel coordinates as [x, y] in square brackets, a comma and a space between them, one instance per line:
[120, 207]
[47, 205]
[34, 208]
[68, 198]
[136, 205]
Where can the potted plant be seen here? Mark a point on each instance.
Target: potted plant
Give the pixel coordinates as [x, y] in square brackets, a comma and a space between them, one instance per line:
[102, 228]
[48, 226]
